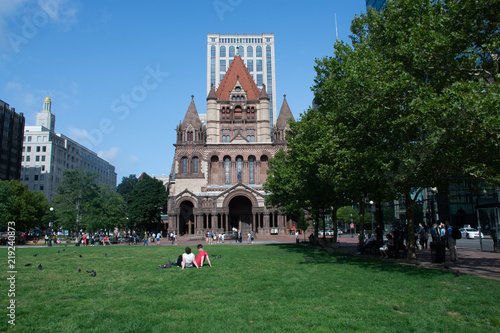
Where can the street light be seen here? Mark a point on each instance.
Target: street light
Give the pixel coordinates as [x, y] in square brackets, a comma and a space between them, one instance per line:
[373, 211]
[50, 226]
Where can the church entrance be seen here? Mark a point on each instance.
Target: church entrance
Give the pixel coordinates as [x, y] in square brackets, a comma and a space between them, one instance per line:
[240, 214]
[186, 218]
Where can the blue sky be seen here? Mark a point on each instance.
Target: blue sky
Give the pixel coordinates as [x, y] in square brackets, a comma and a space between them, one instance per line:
[89, 55]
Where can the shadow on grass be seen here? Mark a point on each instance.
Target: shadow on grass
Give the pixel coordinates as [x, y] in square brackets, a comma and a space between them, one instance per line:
[315, 256]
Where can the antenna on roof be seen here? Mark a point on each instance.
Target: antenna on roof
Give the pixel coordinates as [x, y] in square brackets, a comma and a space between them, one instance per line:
[336, 30]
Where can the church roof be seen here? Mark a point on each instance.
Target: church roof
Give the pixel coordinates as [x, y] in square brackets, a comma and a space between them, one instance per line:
[191, 117]
[237, 71]
[285, 114]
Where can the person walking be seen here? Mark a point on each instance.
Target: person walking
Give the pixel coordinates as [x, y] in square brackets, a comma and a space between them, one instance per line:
[452, 243]
[145, 239]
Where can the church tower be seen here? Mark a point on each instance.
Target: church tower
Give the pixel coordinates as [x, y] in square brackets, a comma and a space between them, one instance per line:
[46, 118]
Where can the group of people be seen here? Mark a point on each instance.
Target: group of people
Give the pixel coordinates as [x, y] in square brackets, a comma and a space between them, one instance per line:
[214, 238]
[153, 237]
[444, 233]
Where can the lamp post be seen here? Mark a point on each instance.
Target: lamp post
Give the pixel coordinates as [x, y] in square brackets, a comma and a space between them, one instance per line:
[372, 211]
[50, 226]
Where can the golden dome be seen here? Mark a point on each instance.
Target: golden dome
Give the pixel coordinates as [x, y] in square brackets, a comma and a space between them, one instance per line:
[47, 99]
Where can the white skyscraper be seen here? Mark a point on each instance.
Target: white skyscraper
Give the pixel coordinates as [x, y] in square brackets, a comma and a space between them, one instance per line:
[257, 52]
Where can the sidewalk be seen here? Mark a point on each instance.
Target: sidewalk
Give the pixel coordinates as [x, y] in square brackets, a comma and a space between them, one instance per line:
[470, 261]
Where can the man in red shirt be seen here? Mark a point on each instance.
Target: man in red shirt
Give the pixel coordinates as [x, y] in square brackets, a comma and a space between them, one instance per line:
[202, 256]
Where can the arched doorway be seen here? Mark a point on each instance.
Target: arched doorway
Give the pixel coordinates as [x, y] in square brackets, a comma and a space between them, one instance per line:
[186, 218]
[240, 214]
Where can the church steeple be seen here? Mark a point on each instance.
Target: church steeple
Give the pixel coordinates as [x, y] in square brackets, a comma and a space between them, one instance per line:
[191, 130]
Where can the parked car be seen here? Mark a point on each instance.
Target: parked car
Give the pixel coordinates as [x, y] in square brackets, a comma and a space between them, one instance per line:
[470, 233]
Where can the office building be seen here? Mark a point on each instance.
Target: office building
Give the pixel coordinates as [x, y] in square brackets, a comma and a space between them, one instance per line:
[46, 154]
[11, 134]
[256, 51]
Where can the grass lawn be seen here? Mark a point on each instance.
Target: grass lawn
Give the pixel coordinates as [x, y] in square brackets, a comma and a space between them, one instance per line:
[259, 288]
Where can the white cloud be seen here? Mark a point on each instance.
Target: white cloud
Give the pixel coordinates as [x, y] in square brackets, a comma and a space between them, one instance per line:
[109, 155]
[20, 20]
[79, 134]
[134, 159]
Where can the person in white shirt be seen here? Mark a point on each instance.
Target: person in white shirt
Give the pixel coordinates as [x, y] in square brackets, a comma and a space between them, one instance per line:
[188, 259]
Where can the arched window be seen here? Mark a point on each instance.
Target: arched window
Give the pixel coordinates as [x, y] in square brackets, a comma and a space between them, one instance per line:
[241, 51]
[258, 51]
[239, 165]
[251, 165]
[249, 51]
[238, 112]
[184, 164]
[231, 51]
[227, 166]
[195, 164]
[222, 51]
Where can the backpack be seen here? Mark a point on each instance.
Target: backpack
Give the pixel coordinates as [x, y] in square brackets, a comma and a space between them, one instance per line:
[455, 233]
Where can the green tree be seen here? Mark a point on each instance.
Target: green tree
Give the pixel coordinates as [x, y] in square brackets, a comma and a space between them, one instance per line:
[22, 206]
[147, 200]
[414, 97]
[111, 212]
[77, 203]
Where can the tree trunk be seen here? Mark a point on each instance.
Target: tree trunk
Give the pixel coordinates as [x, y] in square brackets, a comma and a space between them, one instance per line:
[409, 204]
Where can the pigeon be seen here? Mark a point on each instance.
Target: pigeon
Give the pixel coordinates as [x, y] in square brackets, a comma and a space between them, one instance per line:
[218, 256]
[105, 254]
[93, 273]
[74, 251]
[306, 259]
[27, 265]
[89, 271]
[457, 273]
[79, 270]
[58, 251]
[213, 255]
[35, 255]
[64, 249]
[81, 256]
[40, 267]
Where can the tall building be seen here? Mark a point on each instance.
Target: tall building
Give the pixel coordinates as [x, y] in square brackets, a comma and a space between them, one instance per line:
[46, 154]
[219, 166]
[256, 51]
[11, 134]
[376, 4]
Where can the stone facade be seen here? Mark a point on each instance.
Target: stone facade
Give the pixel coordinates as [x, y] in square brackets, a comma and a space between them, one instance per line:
[220, 165]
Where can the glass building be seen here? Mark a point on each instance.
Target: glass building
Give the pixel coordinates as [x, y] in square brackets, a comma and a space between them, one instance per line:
[376, 4]
[257, 52]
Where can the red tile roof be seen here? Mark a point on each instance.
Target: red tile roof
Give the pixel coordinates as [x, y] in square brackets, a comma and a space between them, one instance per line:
[237, 71]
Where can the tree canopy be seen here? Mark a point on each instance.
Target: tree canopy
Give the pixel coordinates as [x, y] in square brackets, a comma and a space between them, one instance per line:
[412, 101]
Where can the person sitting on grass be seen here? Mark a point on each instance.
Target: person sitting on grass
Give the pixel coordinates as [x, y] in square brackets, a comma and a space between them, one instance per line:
[201, 257]
[384, 250]
[187, 259]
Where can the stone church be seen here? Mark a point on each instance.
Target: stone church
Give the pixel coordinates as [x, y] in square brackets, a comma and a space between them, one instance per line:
[221, 162]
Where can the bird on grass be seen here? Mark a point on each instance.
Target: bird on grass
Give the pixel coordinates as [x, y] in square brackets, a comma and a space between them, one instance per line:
[58, 251]
[27, 265]
[35, 255]
[306, 259]
[105, 254]
[93, 273]
[457, 273]
[218, 256]
[79, 270]
[81, 256]
[40, 267]
[214, 255]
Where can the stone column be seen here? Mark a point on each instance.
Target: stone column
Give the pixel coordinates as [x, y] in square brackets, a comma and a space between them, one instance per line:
[214, 221]
[266, 224]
